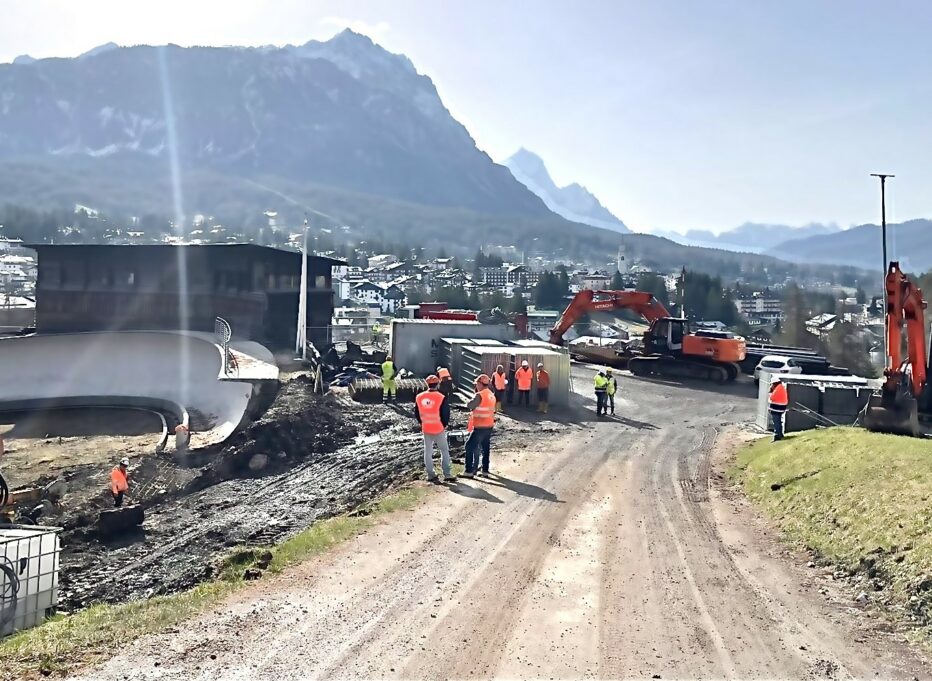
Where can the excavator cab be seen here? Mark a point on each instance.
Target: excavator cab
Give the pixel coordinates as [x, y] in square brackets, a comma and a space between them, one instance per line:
[665, 336]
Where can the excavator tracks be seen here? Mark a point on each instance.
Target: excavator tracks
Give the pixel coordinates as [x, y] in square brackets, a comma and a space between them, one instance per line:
[666, 366]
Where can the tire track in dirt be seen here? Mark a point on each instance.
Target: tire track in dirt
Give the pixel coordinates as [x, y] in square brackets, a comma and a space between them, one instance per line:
[600, 557]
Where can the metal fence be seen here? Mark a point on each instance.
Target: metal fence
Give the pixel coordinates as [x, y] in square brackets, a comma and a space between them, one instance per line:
[223, 333]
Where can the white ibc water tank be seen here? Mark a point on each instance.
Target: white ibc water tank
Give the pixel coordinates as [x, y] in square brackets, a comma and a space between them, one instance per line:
[29, 558]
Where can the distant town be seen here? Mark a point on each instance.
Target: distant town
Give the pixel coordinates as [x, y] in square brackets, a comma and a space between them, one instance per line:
[381, 281]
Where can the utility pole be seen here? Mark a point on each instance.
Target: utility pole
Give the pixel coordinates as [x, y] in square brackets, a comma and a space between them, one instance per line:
[883, 233]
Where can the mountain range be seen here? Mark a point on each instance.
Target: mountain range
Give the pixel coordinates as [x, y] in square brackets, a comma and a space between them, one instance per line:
[861, 246]
[342, 112]
[341, 129]
[574, 202]
[750, 237]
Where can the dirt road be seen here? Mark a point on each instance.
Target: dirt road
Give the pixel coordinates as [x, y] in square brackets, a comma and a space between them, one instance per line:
[601, 553]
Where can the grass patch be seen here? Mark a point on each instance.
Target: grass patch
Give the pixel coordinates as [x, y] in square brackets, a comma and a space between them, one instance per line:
[64, 641]
[860, 500]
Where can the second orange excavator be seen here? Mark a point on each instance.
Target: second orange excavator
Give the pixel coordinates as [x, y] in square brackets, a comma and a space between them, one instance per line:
[906, 393]
[670, 349]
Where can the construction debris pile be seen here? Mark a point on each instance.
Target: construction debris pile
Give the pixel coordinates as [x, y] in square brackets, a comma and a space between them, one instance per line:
[341, 368]
[307, 458]
[298, 425]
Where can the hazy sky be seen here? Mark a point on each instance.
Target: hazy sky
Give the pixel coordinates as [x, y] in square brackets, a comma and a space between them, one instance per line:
[688, 114]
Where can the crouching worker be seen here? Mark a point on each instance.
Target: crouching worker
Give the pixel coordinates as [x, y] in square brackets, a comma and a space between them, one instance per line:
[432, 410]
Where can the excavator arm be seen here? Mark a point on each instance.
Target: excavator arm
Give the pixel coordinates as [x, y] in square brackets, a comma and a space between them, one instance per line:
[645, 304]
[904, 393]
[905, 306]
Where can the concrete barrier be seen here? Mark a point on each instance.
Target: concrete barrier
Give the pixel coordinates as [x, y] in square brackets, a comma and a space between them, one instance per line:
[183, 369]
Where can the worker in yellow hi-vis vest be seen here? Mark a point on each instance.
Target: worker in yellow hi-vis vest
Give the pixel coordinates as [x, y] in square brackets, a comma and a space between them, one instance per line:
[388, 380]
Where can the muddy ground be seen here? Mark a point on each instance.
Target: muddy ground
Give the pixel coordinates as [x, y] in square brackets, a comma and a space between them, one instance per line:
[305, 459]
[604, 551]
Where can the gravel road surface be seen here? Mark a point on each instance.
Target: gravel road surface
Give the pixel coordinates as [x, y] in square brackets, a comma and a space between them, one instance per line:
[599, 551]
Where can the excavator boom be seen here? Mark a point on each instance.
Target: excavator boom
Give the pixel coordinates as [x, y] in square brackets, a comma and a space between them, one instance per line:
[641, 302]
[905, 391]
[669, 349]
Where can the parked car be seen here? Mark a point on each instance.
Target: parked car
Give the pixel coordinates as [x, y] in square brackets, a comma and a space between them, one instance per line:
[776, 364]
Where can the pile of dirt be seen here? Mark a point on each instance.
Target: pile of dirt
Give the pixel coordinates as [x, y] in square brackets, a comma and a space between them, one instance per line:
[298, 425]
[307, 458]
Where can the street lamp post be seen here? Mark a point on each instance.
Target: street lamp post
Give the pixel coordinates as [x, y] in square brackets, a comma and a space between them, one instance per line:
[883, 235]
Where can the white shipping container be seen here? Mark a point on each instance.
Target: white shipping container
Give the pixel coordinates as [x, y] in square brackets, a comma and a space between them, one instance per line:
[29, 558]
[415, 343]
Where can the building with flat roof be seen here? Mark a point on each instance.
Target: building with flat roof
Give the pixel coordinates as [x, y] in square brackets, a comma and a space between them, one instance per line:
[89, 287]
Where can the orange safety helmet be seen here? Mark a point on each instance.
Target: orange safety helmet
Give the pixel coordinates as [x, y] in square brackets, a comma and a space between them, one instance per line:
[433, 380]
[483, 379]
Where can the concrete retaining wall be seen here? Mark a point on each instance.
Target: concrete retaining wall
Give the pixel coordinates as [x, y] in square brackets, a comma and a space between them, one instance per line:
[177, 368]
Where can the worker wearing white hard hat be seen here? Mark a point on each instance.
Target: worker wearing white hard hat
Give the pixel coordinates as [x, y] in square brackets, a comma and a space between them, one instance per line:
[119, 482]
[778, 402]
[524, 377]
[610, 389]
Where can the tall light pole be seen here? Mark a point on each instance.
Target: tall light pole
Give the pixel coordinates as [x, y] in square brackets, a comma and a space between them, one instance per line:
[883, 233]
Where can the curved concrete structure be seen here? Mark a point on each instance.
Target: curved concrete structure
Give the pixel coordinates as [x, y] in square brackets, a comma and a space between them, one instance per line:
[183, 369]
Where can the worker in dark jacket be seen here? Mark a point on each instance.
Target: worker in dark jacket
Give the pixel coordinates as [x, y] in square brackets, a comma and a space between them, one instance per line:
[446, 386]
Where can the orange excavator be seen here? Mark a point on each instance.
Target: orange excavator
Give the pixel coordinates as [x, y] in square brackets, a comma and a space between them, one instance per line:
[906, 392]
[670, 349]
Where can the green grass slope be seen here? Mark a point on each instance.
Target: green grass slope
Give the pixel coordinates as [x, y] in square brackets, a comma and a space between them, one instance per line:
[860, 500]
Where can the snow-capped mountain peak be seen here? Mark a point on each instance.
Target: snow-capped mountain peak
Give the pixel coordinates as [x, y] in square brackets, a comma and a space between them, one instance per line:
[574, 202]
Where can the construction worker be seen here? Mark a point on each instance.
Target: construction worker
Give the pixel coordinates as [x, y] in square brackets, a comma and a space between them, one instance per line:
[499, 384]
[524, 377]
[601, 391]
[610, 391]
[543, 389]
[481, 423]
[388, 380]
[446, 382]
[432, 411]
[778, 403]
[119, 482]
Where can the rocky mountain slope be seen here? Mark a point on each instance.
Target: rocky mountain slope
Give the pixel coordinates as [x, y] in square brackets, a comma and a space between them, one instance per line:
[750, 237]
[860, 246]
[343, 113]
[574, 202]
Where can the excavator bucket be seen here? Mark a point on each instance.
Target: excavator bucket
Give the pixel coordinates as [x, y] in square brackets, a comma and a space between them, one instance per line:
[898, 417]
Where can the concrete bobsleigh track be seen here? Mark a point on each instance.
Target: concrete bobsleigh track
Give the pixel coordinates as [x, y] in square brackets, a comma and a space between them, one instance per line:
[178, 372]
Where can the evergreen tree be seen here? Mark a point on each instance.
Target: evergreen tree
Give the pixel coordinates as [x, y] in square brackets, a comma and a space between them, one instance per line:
[473, 302]
[653, 283]
[497, 299]
[860, 296]
[517, 304]
[564, 278]
[618, 282]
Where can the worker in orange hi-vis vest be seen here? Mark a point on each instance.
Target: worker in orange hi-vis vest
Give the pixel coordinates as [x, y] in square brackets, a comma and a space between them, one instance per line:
[524, 377]
[779, 400]
[499, 385]
[119, 482]
[481, 423]
[432, 410]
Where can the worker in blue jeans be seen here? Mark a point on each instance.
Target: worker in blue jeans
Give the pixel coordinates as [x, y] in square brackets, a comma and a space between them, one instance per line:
[481, 424]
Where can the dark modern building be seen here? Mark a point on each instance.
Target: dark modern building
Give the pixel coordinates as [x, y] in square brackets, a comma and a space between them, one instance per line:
[149, 287]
